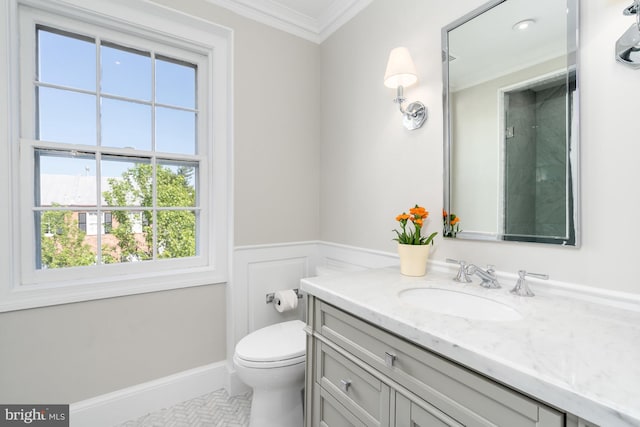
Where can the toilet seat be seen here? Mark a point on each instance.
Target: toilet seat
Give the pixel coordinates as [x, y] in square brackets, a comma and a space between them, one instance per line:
[268, 348]
[268, 365]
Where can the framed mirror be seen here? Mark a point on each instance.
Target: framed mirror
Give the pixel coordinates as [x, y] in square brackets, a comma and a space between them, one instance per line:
[511, 123]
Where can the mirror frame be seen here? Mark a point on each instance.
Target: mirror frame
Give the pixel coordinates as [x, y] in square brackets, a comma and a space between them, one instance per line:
[572, 66]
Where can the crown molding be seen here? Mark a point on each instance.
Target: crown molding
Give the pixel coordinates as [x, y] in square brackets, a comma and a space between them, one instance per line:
[339, 14]
[276, 15]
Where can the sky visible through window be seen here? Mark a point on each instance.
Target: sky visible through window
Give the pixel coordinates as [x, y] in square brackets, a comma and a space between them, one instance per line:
[67, 112]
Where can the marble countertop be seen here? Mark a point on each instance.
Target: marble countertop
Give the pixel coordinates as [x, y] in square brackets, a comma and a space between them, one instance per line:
[577, 355]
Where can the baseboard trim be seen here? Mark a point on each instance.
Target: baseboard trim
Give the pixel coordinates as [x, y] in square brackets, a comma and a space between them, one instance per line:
[133, 402]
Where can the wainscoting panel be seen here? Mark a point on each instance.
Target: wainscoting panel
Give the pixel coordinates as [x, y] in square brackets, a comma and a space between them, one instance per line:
[258, 270]
[343, 258]
[265, 277]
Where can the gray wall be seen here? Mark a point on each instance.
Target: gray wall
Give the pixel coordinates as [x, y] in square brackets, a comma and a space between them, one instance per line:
[66, 353]
[371, 164]
[277, 129]
[72, 352]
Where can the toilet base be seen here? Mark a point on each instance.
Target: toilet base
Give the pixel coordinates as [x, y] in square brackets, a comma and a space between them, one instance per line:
[288, 402]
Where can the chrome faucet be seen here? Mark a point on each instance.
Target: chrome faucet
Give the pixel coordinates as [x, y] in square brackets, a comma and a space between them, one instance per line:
[488, 276]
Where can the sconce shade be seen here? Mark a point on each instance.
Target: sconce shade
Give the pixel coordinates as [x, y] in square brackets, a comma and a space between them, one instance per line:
[401, 71]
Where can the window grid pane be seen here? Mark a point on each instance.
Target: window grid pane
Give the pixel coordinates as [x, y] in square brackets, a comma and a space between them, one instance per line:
[66, 116]
[175, 83]
[62, 240]
[90, 228]
[125, 124]
[66, 59]
[125, 72]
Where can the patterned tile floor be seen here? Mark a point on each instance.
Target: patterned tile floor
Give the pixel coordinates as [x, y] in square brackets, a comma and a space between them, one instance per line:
[215, 409]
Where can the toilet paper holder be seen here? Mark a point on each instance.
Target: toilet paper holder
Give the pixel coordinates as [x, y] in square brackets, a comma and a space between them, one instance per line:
[271, 296]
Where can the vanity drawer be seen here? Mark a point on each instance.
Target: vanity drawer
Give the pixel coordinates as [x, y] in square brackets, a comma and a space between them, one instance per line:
[468, 397]
[328, 412]
[360, 392]
[409, 413]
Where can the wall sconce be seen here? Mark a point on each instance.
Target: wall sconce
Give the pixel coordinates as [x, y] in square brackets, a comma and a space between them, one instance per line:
[401, 72]
[628, 46]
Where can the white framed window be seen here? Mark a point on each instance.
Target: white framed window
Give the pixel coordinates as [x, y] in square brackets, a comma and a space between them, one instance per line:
[121, 151]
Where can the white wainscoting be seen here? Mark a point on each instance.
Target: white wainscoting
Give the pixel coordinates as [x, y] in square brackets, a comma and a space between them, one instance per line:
[258, 270]
[261, 269]
[334, 256]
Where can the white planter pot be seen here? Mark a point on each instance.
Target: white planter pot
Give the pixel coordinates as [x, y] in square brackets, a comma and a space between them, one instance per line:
[413, 259]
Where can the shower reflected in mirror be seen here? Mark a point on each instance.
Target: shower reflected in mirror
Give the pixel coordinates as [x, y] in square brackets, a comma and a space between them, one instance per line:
[511, 123]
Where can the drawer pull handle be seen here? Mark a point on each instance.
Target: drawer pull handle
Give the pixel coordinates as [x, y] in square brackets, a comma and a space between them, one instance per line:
[389, 359]
[345, 384]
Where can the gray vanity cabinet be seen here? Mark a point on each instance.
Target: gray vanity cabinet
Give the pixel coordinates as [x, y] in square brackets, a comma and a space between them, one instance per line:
[359, 374]
[361, 393]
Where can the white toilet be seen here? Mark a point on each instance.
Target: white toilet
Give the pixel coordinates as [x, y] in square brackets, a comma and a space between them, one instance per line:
[271, 361]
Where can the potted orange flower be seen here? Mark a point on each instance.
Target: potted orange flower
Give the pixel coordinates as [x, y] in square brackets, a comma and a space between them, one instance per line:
[413, 247]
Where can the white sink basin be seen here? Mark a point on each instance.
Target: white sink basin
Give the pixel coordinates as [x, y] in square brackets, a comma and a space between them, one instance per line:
[459, 304]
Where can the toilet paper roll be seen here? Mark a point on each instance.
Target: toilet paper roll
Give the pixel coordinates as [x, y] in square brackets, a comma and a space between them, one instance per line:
[285, 300]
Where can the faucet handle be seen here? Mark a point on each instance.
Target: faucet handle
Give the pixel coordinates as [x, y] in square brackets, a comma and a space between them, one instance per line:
[523, 274]
[462, 275]
[492, 281]
[522, 288]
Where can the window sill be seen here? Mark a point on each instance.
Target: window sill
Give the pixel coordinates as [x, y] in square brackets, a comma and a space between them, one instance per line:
[33, 296]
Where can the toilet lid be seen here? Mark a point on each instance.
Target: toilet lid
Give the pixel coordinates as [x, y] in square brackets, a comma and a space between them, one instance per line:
[281, 341]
